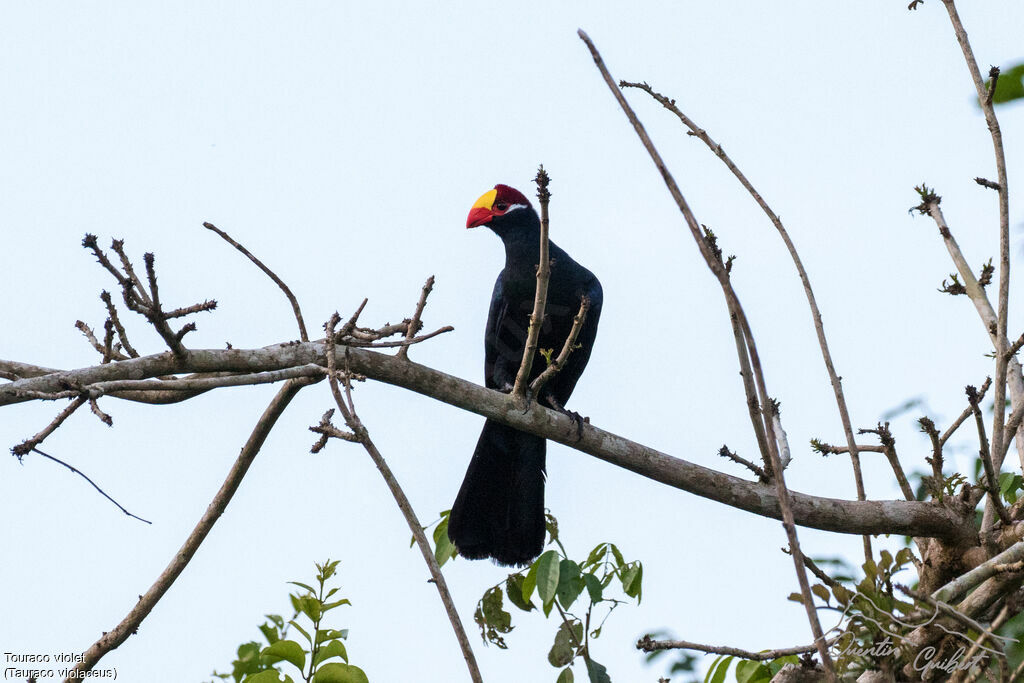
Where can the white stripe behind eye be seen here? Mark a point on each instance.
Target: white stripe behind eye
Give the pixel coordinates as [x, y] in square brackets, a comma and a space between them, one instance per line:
[514, 207]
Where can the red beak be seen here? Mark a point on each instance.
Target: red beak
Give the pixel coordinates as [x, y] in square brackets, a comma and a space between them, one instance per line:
[479, 215]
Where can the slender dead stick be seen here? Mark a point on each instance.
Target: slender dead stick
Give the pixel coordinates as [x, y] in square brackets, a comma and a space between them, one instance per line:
[540, 299]
[567, 348]
[271, 274]
[348, 412]
[114, 638]
[718, 269]
[648, 644]
[999, 439]
[819, 328]
[414, 323]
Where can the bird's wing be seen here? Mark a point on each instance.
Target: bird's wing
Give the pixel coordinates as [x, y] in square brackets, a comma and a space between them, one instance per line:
[494, 371]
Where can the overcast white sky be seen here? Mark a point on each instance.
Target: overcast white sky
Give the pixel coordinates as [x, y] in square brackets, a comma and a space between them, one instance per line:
[344, 143]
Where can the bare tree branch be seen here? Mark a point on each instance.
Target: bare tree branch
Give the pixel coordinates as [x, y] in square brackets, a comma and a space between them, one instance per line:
[348, 411]
[745, 345]
[540, 299]
[271, 274]
[858, 517]
[115, 637]
[414, 324]
[819, 328]
[567, 348]
[648, 644]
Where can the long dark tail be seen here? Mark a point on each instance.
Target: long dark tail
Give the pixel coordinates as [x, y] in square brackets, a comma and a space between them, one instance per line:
[499, 511]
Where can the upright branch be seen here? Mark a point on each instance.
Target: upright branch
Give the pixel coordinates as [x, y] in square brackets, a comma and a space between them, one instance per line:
[991, 483]
[837, 385]
[360, 434]
[999, 440]
[758, 406]
[1013, 377]
[414, 323]
[567, 348]
[540, 299]
[138, 299]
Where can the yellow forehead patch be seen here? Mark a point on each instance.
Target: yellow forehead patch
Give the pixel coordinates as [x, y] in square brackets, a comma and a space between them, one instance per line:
[486, 200]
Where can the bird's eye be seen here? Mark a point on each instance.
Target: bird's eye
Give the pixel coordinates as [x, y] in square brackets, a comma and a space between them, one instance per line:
[501, 206]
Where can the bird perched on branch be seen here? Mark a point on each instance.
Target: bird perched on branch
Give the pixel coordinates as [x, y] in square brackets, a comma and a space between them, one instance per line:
[499, 512]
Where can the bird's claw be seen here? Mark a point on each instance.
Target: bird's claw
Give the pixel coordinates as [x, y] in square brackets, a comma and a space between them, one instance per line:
[577, 419]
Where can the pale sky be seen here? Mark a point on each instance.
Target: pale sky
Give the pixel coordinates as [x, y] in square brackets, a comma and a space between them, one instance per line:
[344, 143]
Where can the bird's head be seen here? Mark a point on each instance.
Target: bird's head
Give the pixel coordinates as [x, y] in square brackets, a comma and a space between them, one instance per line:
[505, 210]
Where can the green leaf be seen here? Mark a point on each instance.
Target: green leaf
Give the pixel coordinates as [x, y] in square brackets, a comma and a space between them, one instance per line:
[308, 588]
[268, 676]
[514, 591]
[563, 651]
[444, 549]
[301, 630]
[885, 560]
[565, 676]
[547, 576]
[723, 668]
[491, 618]
[337, 603]
[775, 666]
[820, 591]
[270, 633]
[530, 582]
[336, 672]
[597, 673]
[618, 556]
[335, 648]
[632, 580]
[287, 650]
[570, 583]
[595, 555]
[752, 672]
[593, 587]
[796, 597]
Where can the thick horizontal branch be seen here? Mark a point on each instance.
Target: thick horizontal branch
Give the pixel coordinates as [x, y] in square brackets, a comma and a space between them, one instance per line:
[842, 516]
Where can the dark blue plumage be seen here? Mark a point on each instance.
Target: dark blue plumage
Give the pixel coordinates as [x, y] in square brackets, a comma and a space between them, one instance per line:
[499, 511]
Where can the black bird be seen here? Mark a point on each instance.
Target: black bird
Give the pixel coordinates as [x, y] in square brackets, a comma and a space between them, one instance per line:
[499, 512]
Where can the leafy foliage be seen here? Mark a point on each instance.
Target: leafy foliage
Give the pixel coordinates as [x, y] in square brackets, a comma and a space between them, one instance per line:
[317, 645]
[571, 589]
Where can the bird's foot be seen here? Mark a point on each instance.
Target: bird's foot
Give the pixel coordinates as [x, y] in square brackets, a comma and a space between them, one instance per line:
[577, 419]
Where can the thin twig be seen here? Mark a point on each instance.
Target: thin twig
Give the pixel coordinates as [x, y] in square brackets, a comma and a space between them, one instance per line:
[648, 644]
[27, 445]
[115, 637]
[1000, 441]
[348, 412]
[819, 328]
[540, 298]
[967, 412]
[744, 342]
[271, 274]
[761, 474]
[991, 484]
[567, 348]
[122, 335]
[414, 323]
[1014, 377]
[889, 448]
[94, 484]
